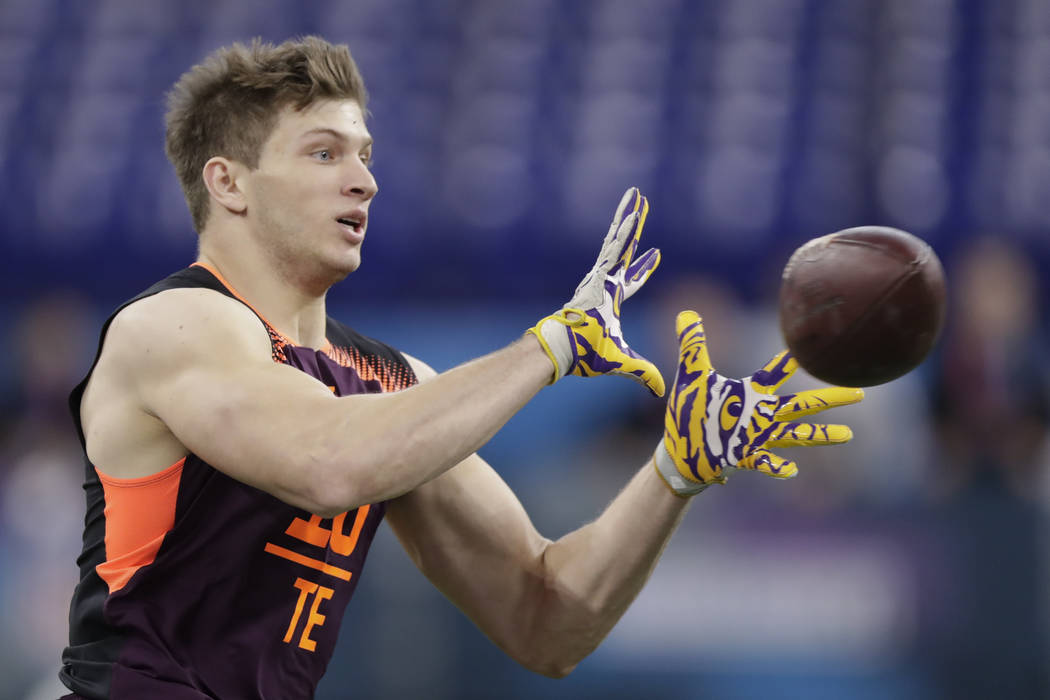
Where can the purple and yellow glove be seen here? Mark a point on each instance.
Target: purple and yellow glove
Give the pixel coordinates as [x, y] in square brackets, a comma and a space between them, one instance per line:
[714, 425]
[585, 338]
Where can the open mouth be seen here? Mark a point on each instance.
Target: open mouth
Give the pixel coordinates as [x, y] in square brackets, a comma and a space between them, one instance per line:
[355, 224]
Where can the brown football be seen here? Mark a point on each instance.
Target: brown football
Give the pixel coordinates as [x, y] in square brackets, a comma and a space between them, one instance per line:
[862, 306]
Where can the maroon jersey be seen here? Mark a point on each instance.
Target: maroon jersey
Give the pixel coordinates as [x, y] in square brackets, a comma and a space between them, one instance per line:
[195, 585]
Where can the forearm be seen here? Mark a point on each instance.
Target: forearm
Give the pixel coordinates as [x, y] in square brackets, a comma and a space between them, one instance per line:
[592, 575]
[402, 440]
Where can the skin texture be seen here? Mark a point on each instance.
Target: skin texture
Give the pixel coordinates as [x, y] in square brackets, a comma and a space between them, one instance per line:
[160, 391]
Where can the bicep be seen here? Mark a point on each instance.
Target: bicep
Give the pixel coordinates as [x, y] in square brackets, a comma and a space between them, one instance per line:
[201, 365]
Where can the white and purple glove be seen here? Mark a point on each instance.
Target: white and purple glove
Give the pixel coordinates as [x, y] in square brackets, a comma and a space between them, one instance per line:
[584, 338]
[714, 425]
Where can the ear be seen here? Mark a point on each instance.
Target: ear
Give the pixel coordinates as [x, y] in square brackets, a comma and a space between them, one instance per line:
[221, 178]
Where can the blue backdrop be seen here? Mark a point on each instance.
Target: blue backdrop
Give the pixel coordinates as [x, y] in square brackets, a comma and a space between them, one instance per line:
[909, 565]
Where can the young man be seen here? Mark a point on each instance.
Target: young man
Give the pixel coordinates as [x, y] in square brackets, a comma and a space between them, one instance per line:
[242, 447]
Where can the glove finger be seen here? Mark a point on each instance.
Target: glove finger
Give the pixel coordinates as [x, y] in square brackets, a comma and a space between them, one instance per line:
[645, 372]
[774, 373]
[621, 226]
[629, 234]
[617, 250]
[692, 342]
[806, 403]
[809, 434]
[639, 271]
[770, 464]
[626, 205]
[618, 229]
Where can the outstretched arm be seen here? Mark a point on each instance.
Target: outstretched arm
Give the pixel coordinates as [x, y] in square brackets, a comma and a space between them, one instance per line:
[549, 604]
[189, 370]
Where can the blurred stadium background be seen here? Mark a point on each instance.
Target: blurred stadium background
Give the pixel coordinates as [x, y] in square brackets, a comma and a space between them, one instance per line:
[911, 564]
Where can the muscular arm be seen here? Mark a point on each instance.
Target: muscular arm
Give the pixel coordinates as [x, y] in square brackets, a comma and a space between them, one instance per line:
[547, 604]
[189, 370]
[197, 365]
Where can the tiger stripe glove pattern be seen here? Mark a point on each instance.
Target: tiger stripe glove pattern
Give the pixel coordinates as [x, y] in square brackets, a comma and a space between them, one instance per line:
[584, 338]
[714, 425]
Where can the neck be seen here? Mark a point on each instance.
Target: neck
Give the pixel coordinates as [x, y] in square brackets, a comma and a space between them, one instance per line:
[292, 310]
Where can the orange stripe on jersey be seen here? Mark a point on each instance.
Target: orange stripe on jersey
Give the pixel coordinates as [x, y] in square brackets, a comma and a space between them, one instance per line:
[139, 513]
[308, 561]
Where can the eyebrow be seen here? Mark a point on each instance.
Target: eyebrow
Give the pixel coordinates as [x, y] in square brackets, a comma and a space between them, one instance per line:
[337, 134]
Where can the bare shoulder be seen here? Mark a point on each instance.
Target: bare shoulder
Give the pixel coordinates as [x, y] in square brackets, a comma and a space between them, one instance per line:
[181, 323]
[148, 345]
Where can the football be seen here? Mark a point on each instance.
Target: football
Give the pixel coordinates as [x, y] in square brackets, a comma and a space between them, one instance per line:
[862, 306]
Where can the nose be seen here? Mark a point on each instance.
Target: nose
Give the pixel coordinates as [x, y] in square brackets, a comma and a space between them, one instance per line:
[361, 182]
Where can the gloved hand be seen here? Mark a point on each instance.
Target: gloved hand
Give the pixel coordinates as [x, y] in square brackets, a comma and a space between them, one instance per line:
[714, 425]
[585, 338]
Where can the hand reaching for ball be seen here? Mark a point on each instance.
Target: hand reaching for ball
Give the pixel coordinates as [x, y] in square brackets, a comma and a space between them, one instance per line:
[715, 425]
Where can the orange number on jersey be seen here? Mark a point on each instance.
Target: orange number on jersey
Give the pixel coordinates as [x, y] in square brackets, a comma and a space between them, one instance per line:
[344, 544]
[312, 532]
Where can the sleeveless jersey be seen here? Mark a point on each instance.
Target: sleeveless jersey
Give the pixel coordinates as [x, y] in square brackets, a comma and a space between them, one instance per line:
[195, 585]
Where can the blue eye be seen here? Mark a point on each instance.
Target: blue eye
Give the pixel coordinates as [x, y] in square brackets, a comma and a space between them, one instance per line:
[324, 155]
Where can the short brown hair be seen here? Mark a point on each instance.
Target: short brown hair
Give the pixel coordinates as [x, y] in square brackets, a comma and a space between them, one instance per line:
[227, 105]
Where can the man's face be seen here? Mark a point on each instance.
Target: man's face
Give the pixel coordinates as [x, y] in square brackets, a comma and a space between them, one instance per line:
[308, 199]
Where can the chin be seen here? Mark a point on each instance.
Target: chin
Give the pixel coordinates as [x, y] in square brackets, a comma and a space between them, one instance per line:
[341, 269]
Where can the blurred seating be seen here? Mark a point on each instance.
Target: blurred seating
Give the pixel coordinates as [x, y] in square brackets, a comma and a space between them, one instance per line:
[746, 122]
[505, 134]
